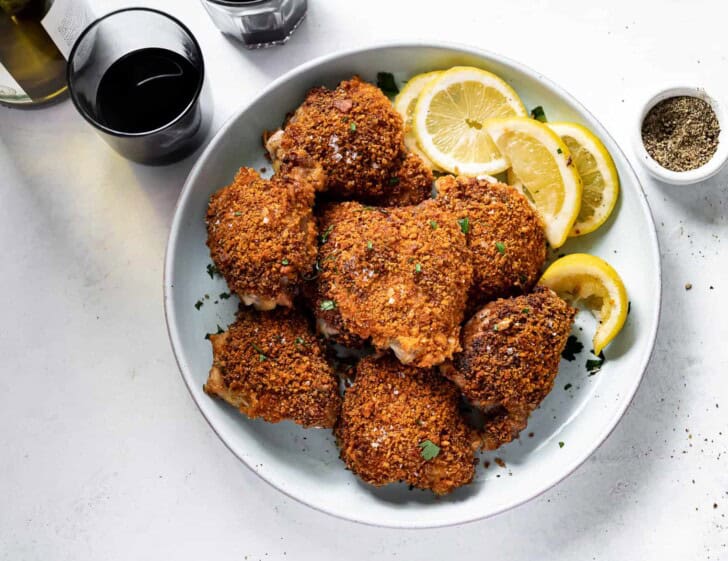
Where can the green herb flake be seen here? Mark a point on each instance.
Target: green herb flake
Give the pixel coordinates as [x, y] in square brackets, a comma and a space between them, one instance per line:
[386, 83]
[352, 126]
[433, 225]
[212, 270]
[418, 268]
[464, 225]
[567, 386]
[328, 305]
[501, 247]
[539, 114]
[300, 341]
[370, 245]
[261, 354]
[595, 365]
[429, 450]
[237, 213]
[559, 151]
[284, 261]
[394, 180]
[224, 295]
[561, 444]
[327, 233]
[199, 304]
[526, 310]
[219, 330]
[573, 347]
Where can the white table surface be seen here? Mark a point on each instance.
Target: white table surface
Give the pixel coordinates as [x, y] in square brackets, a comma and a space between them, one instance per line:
[103, 454]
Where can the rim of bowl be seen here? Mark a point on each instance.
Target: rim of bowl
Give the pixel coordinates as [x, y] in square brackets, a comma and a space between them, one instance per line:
[170, 258]
[689, 177]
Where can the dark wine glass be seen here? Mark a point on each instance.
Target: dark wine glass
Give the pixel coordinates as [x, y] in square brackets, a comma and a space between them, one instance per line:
[138, 76]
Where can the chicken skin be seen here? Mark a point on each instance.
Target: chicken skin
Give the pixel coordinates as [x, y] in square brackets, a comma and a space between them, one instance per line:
[357, 137]
[400, 423]
[271, 365]
[510, 357]
[262, 234]
[506, 236]
[398, 276]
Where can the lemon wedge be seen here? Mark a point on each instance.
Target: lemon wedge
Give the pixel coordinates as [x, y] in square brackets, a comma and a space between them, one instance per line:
[449, 120]
[405, 104]
[598, 175]
[541, 160]
[587, 279]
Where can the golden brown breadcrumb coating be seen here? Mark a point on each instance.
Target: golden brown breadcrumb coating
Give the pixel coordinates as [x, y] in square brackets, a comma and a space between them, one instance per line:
[506, 236]
[262, 235]
[387, 419]
[410, 184]
[270, 365]
[356, 135]
[510, 357]
[397, 275]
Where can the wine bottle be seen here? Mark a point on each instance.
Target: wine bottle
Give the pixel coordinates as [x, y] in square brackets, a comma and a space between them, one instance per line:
[36, 37]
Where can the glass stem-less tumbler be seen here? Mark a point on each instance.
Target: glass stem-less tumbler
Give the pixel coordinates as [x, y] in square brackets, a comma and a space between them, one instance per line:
[257, 23]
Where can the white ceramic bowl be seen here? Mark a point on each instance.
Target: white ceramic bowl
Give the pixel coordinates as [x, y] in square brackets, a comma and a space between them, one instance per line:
[305, 464]
[696, 175]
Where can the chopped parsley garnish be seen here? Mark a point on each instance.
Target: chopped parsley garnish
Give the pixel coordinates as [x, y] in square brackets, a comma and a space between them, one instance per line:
[433, 225]
[429, 450]
[284, 261]
[224, 295]
[327, 232]
[198, 304]
[573, 347]
[328, 305]
[418, 268]
[567, 386]
[394, 180]
[300, 341]
[595, 365]
[219, 330]
[526, 310]
[561, 444]
[370, 245]
[237, 213]
[386, 83]
[539, 114]
[501, 247]
[352, 126]
[261, 354]
[212, 270]
[559, 151]
[464, 225]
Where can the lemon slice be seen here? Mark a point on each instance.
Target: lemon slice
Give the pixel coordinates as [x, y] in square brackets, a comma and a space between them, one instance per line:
[586, 279]
[405, 103]
[598, 175]
[541, 160]
[449, 118]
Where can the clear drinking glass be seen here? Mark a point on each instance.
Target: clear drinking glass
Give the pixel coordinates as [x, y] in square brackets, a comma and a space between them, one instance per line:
[141, 39]
[257, 23]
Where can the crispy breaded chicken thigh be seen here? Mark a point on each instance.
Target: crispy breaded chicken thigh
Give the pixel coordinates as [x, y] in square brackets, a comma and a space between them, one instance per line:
[506, 236]
[400, 423]
[356, 136]
[262, 235]
[398, 276]
[510, 357]
[270, 365]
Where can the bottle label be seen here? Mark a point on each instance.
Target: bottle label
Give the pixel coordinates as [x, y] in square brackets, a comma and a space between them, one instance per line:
[65, 21]
[10, 90]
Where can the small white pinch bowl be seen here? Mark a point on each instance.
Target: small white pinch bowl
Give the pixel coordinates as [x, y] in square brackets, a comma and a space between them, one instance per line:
[707, 170]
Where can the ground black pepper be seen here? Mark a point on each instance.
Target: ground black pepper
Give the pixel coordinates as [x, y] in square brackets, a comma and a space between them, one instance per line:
[681, 133]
